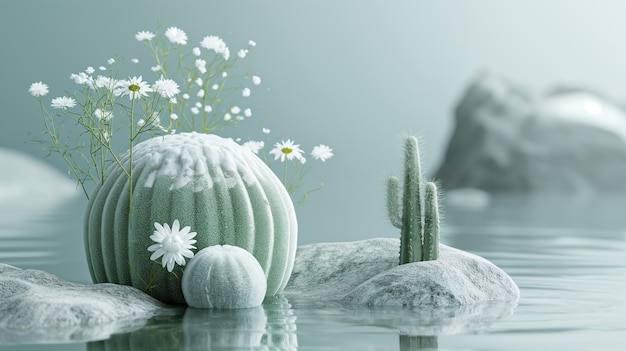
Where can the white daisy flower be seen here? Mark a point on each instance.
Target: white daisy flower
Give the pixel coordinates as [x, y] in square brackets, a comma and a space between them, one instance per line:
[144, 35]
[195, 110]
[166, 87]
[201, 65]
[135, 60]
[176, 35]
[247, 112]
[245, 92]
[134, 87]
[38, 89]
[254, 145]
[208, 108]
[103, 115]
[322, 152]
[174, 244]
[111, 61]
[256, 80]
[252, 43]
[63, 102]
[90, 70]
[196, 51]
[235, 109]
[266, 130]
[286, 150]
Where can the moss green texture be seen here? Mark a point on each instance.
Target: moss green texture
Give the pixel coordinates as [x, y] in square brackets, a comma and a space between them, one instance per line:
[419, 232]
[222, 190]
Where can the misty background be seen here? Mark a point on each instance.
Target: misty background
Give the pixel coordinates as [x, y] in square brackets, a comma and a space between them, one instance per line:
[355, 75]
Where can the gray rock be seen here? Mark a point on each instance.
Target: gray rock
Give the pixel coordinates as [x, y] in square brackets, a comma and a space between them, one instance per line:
[36, 306]
[508, 139]
[367, 273]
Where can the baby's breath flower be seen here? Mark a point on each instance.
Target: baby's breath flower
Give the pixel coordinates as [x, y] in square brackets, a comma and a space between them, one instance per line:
[173, 116]
[201, 65]
[90, 70]
[155, 68]
[224, 74]
[286, 150]
[252, 43]
[199, 82]
[81, 78]
[173, 101]
[38, 89]
[235, 109]
[176, 35]
[322, 152]
[166, 87]
[134, 87]
[253, 145]
[144, 35]
[141, 122]
[111, 61]
[63, 102]
[103, 115]
[247, 112]
[196, 51]
[102, 68]
[266, 130]
[242, 53]
[226, 54]
[198, 104]
[256, 80]
[105, 82]
[215, 86]
[208, 108]
[227, 117]
[245, 92]
[239, 118]
[195, 110]
[186, 96]
[200, 93]
[214, 43]
[135, 60]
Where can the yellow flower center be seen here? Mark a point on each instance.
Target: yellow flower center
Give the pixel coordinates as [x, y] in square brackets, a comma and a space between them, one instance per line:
[134, 87]
[286, 150]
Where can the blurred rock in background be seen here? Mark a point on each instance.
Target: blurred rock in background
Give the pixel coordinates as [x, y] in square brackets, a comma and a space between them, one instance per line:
[508, 139]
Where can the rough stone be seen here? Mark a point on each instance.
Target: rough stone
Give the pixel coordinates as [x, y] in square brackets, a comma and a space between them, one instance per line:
[36, 305]
[367, 273]
[509, 139]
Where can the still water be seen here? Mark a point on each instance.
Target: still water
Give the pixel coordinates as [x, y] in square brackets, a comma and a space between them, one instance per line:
[568, 256]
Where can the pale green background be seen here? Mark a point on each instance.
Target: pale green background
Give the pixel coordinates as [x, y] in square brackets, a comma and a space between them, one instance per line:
[353, 74]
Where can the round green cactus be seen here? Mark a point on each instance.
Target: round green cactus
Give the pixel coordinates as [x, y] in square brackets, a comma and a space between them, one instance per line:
[224, 192]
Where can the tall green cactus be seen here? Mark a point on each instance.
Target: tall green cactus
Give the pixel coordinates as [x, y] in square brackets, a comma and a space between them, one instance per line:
[419, 241]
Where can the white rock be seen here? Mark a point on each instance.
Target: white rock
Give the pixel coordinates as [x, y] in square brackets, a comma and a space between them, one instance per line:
[508, 139]
[367, 273]
[224, 276]
[38, 306]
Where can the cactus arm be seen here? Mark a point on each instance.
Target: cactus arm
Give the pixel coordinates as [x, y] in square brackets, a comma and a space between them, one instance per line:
[393, 204]
[411, 204]
[431, 223]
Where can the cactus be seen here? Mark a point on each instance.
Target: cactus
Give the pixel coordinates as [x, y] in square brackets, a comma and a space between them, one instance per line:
[224, 192]
[419, 241]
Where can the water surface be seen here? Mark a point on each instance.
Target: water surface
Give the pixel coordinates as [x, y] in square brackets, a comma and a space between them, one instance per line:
[568, 256]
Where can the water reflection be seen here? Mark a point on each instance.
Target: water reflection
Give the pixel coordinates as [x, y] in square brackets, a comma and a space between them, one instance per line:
[269, 327]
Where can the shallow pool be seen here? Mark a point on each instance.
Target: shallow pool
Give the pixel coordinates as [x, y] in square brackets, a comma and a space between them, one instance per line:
[568, 256]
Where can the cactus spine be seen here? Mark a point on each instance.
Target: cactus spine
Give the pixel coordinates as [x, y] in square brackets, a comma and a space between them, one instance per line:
[419, 241]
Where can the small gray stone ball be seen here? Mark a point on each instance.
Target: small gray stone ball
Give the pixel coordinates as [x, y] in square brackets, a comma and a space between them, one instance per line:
[224, 276]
